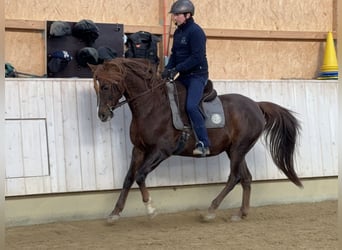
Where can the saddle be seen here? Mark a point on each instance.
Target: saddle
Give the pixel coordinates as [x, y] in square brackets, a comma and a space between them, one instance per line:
[209, 93]
[210, 106]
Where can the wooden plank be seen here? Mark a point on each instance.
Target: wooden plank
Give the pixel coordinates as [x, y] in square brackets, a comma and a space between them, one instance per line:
[326, 123]
[26, 148]
[213, 169]
[32, 99]
[127, 114]
[85, 128]
[257, 157]
[35, 185]
[162, 177]
[210, 32]
[316, 148]
[25, 50]
[27, 186]
[188, 170]
[32, 25]
[175, 170]
[15, 186]
[223, 87]
[103, 155]
[242, 33]
[266, 34]
[335, 15]
[14, 151]
[72, 165]
[304, 160]
[277, 97]
[264, 88]
[332, 92]
[201, 170]
[58, 138]
[121, 144]
[12, 99]
[52, 131]
[35, 148]
[157, 30]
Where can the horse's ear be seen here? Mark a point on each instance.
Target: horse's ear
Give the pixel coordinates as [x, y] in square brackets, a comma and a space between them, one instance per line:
[92, 67]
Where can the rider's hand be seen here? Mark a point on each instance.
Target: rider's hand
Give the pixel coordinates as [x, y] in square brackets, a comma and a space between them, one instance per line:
[169, 73]
[172, 73]
[165, 73]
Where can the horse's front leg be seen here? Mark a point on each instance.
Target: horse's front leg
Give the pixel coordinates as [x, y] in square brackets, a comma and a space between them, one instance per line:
[120, 204]
[151, 162]
[137, 159]
[147, 200]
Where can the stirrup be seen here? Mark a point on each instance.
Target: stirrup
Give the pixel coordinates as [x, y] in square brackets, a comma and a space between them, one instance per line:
[201, 150]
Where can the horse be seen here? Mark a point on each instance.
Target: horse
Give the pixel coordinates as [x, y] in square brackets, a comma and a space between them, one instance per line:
[154, 137]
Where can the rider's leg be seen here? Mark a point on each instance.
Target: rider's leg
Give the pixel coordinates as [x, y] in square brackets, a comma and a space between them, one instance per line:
[195, 87]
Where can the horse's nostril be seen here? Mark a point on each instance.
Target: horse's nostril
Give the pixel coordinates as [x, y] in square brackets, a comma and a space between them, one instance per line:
[105, 116]
[102, 117]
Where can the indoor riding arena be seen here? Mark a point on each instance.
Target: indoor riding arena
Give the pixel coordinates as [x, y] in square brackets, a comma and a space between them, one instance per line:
[65, 167]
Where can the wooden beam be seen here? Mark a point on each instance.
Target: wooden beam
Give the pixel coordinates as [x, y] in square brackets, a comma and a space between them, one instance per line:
[30, 25]
[157, 30]
[265, 34]
[334, 15]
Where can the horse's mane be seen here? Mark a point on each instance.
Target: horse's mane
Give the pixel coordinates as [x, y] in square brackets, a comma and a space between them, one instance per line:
[119, 68]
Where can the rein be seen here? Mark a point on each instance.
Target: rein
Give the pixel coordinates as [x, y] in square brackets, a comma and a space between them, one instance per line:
[135, 97]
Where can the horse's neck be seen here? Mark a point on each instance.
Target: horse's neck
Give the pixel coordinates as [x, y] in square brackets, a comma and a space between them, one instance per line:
[147, 102]
[134, 89]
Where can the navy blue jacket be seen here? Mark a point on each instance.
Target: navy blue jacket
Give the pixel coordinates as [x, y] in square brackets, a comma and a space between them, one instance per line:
[188, 53]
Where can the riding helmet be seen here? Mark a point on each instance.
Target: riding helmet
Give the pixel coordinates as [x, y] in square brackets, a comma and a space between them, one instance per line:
[182, 7]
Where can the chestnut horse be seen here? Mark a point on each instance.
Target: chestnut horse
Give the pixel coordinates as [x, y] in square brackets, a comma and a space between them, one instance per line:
[154, 137]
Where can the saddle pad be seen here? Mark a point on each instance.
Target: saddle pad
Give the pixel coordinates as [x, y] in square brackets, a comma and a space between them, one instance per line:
[214, 114]
[176, 118]
[213, 111]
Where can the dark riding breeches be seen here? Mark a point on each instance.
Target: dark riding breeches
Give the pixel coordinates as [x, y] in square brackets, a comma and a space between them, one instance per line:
[195, 84]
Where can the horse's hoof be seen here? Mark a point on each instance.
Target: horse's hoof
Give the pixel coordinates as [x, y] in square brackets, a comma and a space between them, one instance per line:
[153, 214]
[208, 217]
[235, 218]
[113, 218]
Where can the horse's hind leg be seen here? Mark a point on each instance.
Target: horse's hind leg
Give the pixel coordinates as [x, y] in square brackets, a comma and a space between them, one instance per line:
[232, 181]
[246, 179]
[239, 173]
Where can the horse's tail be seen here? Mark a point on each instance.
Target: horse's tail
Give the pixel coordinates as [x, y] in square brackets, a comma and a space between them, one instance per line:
[281, 132]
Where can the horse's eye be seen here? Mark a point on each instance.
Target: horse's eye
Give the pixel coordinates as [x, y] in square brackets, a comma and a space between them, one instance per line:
[104, 87]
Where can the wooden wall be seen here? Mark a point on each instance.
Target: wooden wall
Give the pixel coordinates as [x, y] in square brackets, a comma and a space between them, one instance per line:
[246, 39]
[56, 143]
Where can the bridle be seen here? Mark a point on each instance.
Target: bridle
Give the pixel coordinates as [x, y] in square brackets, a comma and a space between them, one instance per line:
[119, 104]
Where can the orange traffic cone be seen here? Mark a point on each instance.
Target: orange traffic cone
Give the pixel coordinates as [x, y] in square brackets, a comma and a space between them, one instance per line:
[329, 69]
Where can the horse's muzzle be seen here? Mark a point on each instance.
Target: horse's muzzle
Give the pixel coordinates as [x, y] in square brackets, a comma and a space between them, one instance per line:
[105, 116]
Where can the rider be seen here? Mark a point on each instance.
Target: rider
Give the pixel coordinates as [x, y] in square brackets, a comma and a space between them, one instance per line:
[188, 58]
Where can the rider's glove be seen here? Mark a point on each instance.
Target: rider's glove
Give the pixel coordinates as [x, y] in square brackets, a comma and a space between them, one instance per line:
[165, 73]
[169, 73]
[172, 73]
